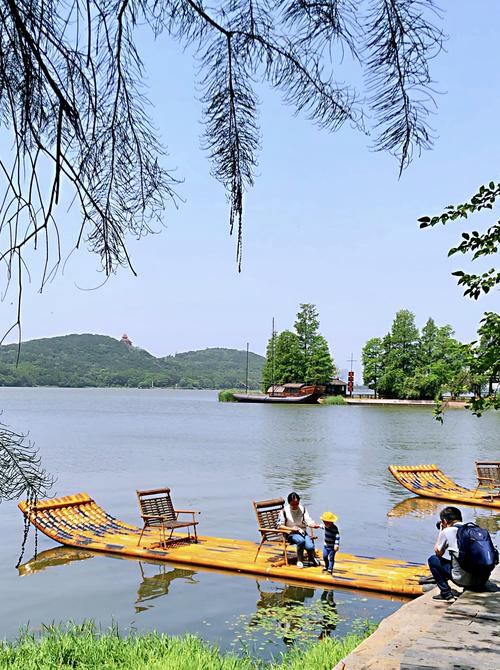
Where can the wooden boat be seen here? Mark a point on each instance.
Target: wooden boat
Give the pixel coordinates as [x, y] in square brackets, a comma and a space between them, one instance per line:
[430, 482]
[284, 393]
[77, 521]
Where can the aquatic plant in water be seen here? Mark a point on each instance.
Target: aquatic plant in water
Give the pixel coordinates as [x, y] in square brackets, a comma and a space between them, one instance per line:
[291, 622]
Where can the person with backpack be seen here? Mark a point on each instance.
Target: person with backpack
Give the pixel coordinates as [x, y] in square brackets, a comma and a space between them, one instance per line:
[463, 553]
[296, 519]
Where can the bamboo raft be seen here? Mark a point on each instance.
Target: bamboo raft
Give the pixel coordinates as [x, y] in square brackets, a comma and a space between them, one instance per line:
[77, 521]
[430, 482]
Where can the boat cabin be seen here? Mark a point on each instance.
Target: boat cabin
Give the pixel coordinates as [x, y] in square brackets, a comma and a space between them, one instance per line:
[293, 390]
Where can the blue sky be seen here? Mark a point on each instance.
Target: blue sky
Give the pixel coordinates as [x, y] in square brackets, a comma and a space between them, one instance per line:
[328, 222]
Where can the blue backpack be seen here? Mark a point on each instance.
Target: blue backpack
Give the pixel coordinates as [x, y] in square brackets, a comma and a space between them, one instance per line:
[476, 552]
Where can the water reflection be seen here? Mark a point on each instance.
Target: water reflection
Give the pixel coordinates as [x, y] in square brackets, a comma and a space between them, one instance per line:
[282, 594]
[489, 521]
[328, 622]
[158, 585]
[420, 507]
[424, 507]
[53, 557]
[292, 610]
[297, 461]
[150, 587]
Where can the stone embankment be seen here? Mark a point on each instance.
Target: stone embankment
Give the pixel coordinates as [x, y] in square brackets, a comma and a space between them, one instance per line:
[429, 635]
[447, 404]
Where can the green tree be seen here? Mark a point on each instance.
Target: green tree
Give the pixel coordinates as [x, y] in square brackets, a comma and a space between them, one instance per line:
[269, 368]
[320, 367]
[289, 361]
[306, 326]
[486, 363]
[478, 245]
[317, 365]
[408, 365]
[403, 342]
[441, 363]
[297, 357]
[400, 355]
[373, 363]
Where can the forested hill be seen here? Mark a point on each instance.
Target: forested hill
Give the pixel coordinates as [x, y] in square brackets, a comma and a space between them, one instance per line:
[98, 360]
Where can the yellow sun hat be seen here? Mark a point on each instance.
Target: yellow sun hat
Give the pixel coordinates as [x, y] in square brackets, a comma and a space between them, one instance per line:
[329, 516]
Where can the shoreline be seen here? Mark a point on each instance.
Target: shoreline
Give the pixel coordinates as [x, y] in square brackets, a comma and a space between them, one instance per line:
[446, 404]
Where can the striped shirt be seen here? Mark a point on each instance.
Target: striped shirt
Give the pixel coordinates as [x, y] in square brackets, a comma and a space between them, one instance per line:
[332, 536]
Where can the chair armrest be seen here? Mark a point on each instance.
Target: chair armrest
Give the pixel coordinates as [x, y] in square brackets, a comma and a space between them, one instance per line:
[275, 530]
[187, 511]
[154, 516]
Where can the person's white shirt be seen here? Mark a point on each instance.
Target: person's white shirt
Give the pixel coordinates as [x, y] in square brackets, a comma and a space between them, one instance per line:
[447, 540]
[291, 518]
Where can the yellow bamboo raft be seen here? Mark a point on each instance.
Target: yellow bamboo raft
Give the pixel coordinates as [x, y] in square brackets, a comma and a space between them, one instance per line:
[429, 481]
[77, 521]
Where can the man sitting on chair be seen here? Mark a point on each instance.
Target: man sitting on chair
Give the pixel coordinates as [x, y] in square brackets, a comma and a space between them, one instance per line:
[295, 517]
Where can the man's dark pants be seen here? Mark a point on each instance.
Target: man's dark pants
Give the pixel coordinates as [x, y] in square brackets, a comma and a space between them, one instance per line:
[441, 571]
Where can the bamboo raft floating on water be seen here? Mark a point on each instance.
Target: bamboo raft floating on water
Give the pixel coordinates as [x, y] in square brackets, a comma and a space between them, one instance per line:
[430, 482]
[77, 521]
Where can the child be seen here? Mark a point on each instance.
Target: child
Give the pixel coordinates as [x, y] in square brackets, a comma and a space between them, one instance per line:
[332, 540]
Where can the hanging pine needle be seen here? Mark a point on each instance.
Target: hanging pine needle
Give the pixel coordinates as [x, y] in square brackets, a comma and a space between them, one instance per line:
[21, 474]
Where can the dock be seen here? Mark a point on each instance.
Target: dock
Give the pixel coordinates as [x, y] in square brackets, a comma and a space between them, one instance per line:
[428, 635]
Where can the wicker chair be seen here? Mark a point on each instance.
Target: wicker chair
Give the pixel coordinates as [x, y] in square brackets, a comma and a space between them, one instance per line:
[488, 476]
[268, 513]
[157, 511]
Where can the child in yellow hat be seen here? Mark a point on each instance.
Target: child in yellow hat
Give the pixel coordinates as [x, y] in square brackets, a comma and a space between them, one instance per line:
[332, 540]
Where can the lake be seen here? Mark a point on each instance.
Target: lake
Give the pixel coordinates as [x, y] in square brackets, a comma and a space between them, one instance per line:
[217, 458]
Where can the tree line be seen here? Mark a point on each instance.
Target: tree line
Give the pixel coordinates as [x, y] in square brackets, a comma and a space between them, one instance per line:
[298, 356]
[407, 363]
[100, 361]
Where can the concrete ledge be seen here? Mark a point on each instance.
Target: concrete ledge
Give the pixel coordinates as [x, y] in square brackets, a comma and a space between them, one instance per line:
[428, 635]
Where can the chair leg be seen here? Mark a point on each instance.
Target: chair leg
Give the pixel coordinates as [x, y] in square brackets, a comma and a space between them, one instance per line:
[285, 551]
[260, 547]
[142, 533]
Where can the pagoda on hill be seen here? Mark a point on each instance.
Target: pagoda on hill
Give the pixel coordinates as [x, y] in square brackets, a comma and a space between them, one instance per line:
[125, 339]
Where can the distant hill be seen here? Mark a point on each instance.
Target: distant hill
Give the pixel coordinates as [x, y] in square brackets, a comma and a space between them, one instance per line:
[98, 360]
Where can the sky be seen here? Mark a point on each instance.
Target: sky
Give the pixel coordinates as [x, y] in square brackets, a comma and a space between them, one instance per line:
[328, 222]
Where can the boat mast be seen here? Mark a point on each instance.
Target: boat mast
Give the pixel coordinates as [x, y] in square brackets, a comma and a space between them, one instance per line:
[272, 360]
[246, 376]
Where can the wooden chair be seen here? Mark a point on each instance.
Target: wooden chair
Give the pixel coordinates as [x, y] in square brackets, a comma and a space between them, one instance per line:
[157, 511]
[268, 513]
[488, 476]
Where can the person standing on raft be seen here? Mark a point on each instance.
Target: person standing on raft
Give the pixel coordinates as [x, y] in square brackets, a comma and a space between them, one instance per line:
[296, 519]
[332, 540]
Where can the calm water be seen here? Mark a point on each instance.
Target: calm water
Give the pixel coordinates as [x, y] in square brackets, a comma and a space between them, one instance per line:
[218, 458]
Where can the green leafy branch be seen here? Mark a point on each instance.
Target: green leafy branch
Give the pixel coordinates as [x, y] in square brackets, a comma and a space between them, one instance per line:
[475, 243]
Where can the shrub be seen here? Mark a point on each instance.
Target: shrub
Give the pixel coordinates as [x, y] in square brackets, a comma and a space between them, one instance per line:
[333, 400]
[226, 396]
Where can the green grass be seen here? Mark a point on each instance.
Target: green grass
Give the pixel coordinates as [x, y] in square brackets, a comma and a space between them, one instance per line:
[333, 400]
[84, 647]
[226, 395]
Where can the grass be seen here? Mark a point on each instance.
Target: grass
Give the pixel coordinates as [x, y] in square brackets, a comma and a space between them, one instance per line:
[226, 395]
[333, 400]
[84, 647]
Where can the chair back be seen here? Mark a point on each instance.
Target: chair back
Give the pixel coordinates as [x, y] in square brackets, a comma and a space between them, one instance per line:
[156, 502]
[268, 513]
[488, 473]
